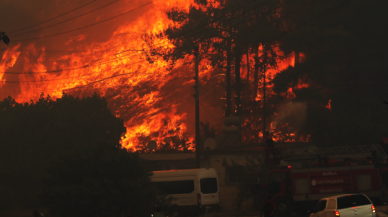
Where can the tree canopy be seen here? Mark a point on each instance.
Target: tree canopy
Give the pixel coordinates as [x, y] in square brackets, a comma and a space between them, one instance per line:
[335, 87]
[343, 63]
[225, 31]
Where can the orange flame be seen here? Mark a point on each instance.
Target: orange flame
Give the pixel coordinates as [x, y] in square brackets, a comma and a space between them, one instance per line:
[8, 60]
[329, 105]
[127, 73]
[122, 65]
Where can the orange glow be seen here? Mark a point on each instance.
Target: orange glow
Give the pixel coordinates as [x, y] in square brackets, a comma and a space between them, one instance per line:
[301, 58]
[8, 60]
[133, 79]
[329, 105]
[125, 53]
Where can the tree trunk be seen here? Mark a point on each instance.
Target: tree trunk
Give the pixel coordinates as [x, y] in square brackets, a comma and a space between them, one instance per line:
[237, 72]
[198, 145]
[297, 58]
[265, 60]
[228, 79]
[256, 75]
[248, 68]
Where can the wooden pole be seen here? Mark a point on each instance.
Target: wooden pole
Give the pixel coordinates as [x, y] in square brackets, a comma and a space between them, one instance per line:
[197, 128]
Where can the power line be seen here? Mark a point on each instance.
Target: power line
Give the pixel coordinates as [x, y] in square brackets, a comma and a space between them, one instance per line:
[209, 22]
[71, 51]
[65, 51]
[56, 51]
[133, 10]
[53, 17]
[35, 92]
[61, 79]
[47, 36]
[267, 41]
[55, 24]
[107, 78]
[136, 50]
[186, 45]
[185, 33]
[84, 66]
[271, 39]
[51, 71]
[39, 92]
[54, 71]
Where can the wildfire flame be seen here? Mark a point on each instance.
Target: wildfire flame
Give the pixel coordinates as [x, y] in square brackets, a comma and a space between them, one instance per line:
[135, 82]
[8, 60]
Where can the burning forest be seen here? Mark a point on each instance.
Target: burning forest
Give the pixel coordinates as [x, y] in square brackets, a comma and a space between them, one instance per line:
[90, 88]
[256, 61]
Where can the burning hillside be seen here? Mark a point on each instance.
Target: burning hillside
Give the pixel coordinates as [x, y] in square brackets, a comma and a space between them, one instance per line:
[152, 95]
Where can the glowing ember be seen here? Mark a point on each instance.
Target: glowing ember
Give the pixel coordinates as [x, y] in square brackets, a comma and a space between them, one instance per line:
[329, 105]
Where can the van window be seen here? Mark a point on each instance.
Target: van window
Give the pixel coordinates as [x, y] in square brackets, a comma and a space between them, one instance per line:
[352, 201]
[209, 185]
[176, 187]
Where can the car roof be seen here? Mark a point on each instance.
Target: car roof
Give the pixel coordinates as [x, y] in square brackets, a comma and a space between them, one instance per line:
[337, 196]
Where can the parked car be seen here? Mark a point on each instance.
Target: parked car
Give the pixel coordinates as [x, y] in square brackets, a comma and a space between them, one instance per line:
[344, 205]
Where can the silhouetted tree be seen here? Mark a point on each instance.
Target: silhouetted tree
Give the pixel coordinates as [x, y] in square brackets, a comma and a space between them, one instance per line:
[99, 180]
[344, 61]
[173, 140]
[53, 151]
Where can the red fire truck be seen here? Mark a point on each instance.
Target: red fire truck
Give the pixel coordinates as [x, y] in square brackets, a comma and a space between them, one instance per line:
[314, 174]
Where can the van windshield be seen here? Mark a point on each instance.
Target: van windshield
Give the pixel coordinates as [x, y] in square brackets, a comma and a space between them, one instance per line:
[352, 201]
[209, 185]
[176, 187]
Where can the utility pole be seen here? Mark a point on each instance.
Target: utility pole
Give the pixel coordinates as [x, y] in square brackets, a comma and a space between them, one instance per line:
[256, 73]
[248, 68]
[264, 92]
[237, 64]
[197, 129]
[228, 79]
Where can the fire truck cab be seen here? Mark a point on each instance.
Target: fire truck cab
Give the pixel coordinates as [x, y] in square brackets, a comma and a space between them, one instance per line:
[298, 187]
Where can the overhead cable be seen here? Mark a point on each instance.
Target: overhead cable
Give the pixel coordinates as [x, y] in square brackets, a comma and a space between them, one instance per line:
[55, 24]
[93, 24]
[52, 18]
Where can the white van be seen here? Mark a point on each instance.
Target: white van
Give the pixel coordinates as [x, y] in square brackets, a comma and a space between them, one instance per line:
[194, 190]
